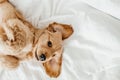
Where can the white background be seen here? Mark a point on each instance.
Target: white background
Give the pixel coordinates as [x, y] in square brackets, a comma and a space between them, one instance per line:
[91, 53]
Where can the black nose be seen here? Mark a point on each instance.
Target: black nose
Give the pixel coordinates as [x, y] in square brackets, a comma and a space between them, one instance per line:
[42, 57]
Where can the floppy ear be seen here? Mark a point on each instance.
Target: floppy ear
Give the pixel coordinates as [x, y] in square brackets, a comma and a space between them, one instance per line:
[65, 29]
[53, 67]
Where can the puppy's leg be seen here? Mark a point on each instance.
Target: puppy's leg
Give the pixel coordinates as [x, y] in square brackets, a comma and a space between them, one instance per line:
[8, 61]
[14, 29]
[8, 31]
[53, 67]
[3, 36]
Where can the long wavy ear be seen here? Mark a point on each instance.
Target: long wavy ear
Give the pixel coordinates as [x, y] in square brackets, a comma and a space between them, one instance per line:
[53, 67]
[65, 29]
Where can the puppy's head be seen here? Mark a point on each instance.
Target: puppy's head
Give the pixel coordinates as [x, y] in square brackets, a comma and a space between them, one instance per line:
[48, 48]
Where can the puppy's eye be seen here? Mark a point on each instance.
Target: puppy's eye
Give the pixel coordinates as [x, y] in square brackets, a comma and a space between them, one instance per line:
[49, 44]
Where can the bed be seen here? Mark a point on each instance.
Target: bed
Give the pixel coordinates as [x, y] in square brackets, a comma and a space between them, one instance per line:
[91, 53]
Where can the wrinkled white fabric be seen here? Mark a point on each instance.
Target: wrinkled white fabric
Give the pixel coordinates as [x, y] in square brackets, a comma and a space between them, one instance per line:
[91, 53]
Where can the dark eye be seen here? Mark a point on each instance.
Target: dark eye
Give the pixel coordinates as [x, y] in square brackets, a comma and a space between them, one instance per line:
[49, 44]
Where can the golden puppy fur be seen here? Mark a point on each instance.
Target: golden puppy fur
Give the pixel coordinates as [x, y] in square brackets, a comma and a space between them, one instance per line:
[19, 41]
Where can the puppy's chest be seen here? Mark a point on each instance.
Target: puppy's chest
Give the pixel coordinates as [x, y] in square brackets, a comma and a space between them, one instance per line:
[25, 53]
[27, 48]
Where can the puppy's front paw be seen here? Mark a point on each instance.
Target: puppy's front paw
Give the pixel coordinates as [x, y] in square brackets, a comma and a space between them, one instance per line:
[9, 61]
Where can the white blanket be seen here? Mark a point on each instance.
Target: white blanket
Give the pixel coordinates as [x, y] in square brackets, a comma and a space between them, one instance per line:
[91, 53]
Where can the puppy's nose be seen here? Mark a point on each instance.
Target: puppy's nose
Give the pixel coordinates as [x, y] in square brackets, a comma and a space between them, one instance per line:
[42, 57]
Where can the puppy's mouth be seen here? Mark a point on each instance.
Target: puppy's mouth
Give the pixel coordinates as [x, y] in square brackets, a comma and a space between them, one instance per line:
[43, 58]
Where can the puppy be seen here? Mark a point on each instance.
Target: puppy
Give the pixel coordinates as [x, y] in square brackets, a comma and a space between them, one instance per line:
[49, 47]
[20, 41]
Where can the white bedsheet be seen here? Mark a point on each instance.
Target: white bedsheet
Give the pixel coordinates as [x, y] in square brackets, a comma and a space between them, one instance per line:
[91, 53]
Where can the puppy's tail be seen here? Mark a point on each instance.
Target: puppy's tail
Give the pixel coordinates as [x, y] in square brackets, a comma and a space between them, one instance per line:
[1, 1]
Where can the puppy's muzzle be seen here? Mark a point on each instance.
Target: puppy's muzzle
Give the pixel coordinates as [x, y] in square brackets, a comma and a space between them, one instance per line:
[41, 57]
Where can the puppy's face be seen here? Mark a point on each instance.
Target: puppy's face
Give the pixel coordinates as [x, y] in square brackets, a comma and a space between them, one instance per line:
[47, 45]
[48, 48]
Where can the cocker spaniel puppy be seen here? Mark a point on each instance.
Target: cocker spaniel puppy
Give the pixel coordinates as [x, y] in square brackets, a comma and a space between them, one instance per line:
[19, 41]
